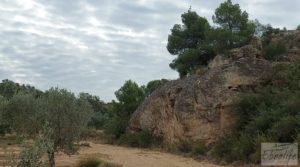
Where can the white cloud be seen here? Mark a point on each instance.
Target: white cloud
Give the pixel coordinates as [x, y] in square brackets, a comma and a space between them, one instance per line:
[94, 46]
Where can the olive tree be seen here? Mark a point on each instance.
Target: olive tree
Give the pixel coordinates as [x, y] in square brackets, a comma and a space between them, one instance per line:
[4, 125]
[67, 117]
[23, 113]
[58, 117]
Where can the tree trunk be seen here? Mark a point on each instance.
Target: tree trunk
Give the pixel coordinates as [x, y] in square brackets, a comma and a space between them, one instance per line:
[51, 159]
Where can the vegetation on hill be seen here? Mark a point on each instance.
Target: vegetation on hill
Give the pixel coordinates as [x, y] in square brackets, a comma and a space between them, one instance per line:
[56, 119]
[268, 114]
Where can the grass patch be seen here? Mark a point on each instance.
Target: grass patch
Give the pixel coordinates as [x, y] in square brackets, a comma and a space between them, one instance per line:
[94, 162]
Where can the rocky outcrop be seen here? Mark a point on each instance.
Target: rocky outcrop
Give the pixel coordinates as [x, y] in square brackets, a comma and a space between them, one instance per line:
[200, 107]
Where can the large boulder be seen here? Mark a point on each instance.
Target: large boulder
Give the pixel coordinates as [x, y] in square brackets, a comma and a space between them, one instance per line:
[200, 107]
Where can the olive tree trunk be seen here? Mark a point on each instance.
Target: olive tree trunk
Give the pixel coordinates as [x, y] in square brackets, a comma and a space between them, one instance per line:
[51, 159]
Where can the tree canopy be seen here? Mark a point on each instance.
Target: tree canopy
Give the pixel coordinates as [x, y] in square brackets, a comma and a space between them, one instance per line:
[57, 116]
[234, 24]
[195, 42]
[187, 41]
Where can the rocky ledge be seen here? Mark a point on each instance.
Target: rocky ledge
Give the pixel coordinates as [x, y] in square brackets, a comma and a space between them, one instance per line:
[200, 107]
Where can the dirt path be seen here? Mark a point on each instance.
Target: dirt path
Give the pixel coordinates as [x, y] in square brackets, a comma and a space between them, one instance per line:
[130, 157]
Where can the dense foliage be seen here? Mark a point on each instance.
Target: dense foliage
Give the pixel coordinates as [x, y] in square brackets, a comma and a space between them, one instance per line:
[56, 115]
[271, 114]
[195, 42]
[129, 97]
[188, 42]
[233, 25]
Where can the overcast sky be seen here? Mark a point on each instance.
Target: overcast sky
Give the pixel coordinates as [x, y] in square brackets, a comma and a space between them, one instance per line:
[94, 46]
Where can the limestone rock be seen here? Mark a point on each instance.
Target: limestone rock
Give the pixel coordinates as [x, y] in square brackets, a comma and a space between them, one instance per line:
[199, 107]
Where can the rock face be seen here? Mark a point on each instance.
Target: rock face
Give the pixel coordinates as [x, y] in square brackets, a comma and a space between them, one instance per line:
[199, 107]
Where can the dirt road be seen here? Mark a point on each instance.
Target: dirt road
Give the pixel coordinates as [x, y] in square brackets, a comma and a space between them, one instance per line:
[130, 157]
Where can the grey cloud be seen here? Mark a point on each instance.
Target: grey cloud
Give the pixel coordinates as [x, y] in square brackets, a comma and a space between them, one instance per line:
[96, 45]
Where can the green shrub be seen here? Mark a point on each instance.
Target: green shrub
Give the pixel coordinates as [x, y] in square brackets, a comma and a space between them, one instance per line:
[98, 120]
[196, 147]
[89, 162]
[199, 147]
[4, 122]
[270, 114]
[222, 149]
[4, 128]
[109, 165]
[94, 162]
[274, 51]
[185, 146]
[116, 126]
[129, 139]
[143, 139]
[297, 140]
[32, 155]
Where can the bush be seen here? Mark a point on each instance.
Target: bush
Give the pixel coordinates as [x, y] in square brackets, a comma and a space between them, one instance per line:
[185, 146]
[89, 162]
[116, 126]
[199, 147]
[32, 154]
[196, 147]
[4, 128]
[297, 140]
[274, 51]
[94, 162]
[4, 122]
[222, 148]
[270, 114]
[143, 139]
[98, 120]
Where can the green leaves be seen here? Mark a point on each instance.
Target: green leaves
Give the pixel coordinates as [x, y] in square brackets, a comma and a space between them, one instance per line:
[230, 17]
[187, 62]
[64, 115]
[234, 25]
[270, 114]
[188, 41]
[274, 51]
[189, 35]
[195, 42]
[130, 95]
[67, 116]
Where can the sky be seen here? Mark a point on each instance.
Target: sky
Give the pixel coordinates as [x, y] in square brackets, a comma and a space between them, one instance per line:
[94, 46]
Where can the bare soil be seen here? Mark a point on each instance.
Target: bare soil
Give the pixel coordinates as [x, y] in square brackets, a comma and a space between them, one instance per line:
[130, 157]
[124, 156]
